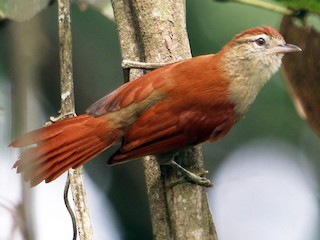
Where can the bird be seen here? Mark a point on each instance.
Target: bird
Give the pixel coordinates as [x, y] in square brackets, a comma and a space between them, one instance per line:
[162, 112]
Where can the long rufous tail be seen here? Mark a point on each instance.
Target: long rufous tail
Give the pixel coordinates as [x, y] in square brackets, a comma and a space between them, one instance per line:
[54, 149]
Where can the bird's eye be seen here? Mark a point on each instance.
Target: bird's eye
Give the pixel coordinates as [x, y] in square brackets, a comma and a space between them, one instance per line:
[260, 41]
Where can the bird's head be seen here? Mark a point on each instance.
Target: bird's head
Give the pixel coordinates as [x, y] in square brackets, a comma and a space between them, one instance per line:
[257, 51]
[250, 59]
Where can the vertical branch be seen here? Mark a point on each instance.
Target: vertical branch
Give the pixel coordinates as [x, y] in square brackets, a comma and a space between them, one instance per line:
[66, 69]
[68, 109]
[131, 48]
[155, 31]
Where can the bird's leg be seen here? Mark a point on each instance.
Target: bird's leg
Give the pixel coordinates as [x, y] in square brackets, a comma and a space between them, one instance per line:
[189, 176]
[58, 118]
[169, 159]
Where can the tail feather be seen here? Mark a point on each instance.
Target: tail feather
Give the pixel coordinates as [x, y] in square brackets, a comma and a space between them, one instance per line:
[59, 167]
[76, 163]
[46, 153]
[63, 145]
[57, 164]
[48, 132]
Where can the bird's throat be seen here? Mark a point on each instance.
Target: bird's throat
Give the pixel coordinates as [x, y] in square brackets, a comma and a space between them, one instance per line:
[242, 94]
[246, 80]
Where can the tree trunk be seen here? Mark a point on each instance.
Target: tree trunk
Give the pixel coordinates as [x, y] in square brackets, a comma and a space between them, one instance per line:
[155, 31]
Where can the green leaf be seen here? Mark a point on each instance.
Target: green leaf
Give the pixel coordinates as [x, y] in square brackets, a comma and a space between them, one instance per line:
[309, 5]
[21, 10]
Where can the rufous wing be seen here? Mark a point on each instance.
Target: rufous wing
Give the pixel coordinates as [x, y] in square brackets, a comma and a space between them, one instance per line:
[161, 130]
[132, 92]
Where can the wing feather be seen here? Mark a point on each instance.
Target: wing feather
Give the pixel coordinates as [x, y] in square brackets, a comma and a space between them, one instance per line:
[132, 92]
[161, 134]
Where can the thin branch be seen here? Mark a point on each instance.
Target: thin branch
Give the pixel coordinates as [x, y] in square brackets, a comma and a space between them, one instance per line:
[69, 209]
[67, 109]
[266, 5]
[126, 64]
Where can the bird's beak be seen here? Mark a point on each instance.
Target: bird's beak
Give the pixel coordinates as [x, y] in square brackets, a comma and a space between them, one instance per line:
[286, 48]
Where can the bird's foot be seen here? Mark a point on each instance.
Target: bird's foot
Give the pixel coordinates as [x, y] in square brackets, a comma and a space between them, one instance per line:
[53, 119]
[190, 176]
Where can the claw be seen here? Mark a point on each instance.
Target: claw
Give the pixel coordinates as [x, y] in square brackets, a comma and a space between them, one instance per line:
[190, 176]
[58, 118]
